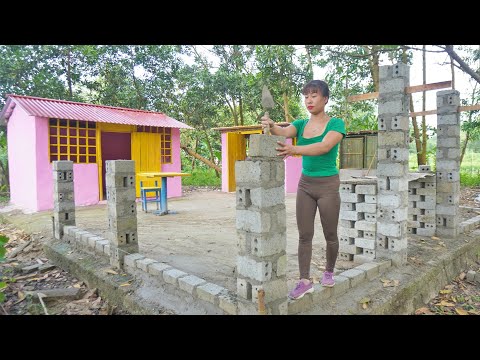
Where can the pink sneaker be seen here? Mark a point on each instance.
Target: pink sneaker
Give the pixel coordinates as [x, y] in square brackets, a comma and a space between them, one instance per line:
[300, 290]
[327, 279]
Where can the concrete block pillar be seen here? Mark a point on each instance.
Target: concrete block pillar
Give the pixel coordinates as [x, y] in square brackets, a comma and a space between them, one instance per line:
[421, 203]
[122, 210]
[63, 197]
[392, 163]
[448, 163]
[357, 226]
[261, 225]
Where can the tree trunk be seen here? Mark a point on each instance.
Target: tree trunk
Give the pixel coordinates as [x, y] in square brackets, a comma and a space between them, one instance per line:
[423, 155]
[209, 145]
[310, 64]
[285, 104]
[373, 62]
[416, 133]
[201, 158]
[240, 106]
[470, 115]
[69, 74]
[196, 147]
[463, 65]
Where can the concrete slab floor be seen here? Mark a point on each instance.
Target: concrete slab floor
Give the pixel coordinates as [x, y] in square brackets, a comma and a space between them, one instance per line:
[200, 239]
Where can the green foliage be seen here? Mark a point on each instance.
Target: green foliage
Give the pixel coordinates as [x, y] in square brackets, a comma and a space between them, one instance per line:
[202, 177]
[3, 241]
[470, 178]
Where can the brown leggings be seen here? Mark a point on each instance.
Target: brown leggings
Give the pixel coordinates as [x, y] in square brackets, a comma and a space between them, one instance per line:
[321, 192]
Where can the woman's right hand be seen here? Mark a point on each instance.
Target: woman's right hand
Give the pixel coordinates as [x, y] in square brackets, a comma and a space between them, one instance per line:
[267, 122]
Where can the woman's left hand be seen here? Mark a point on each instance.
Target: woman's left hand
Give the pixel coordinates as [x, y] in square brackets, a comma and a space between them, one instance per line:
[286, 150]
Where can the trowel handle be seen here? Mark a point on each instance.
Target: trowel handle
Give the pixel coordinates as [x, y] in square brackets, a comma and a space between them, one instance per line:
[266, 130]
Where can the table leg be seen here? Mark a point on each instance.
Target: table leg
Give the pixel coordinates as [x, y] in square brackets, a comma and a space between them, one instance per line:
[163, 197]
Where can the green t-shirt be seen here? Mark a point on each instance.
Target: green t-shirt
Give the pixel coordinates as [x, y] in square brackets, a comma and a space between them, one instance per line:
[320, 165]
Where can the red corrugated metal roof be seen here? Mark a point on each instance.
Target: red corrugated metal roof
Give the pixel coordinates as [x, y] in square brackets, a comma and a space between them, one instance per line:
[51, 108]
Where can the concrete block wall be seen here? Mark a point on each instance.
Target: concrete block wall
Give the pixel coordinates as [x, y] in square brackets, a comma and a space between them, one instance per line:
[358, 216]
[392, 163]
[261, 227]
[421, 204]
[122, 209]
[448, 163]
[63, 197]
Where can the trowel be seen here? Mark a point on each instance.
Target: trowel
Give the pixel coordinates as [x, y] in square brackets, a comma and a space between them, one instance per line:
[267, 103]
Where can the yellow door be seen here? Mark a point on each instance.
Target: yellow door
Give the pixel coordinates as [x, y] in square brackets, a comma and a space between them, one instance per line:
[236, 150]
[146, 153]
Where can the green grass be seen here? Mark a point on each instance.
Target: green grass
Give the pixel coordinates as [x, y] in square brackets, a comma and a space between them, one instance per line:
[469, 171]
[202, 177]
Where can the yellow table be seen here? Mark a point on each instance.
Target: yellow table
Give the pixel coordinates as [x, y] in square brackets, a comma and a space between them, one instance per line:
[163, 194]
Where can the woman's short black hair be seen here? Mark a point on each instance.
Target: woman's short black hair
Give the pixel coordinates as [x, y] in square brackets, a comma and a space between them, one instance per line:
[316, 86]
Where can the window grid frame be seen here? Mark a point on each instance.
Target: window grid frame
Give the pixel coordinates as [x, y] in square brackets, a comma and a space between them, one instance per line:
[68, 127]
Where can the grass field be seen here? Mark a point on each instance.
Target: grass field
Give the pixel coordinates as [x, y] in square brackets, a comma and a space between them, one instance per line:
[469, 170]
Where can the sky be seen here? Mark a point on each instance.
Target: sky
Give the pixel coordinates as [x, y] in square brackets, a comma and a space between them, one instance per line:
[438, 69]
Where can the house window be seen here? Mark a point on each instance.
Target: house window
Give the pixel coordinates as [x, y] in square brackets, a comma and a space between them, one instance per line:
[72, 140]
[165, 141]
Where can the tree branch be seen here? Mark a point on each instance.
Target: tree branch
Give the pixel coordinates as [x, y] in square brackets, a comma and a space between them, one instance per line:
[463, 65]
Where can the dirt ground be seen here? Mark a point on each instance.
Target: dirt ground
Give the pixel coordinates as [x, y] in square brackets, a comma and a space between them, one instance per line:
[200, 239]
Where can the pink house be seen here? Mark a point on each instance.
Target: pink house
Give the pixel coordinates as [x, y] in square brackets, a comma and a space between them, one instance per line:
[41, 130]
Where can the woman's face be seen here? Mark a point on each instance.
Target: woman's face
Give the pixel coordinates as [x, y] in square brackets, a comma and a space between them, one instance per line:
[315, 102]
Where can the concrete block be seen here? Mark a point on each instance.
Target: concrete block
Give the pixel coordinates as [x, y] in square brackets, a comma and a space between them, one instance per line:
[366, 189]
[370, 199]
[264, 146]
[142, 264]
[281, 266]
[392, 169]
[253, 173]
[171, 276]
[365, 226]
[158, 268]
[120, 166]
[274, 290]
[347, 188]
[99, 246]
[348, 206]
[351, 215]
[264, 198]
[228, 303]
[253, 221]
[371, 269]
[355, 275]
[366, 208]
[365, 243]
[393, 139]
[252, 269]
[210, 292]
[342, 284]
[190, 282]
[130, 260]
[352, 197]
[62, 165]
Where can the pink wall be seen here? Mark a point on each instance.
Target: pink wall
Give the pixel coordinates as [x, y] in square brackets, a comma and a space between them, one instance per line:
[85, 176]
[21, 140]
[224, 163]
[174, 184]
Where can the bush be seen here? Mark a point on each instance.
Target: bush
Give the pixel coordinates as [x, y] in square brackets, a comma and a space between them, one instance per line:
[202, 177]
[3, 241]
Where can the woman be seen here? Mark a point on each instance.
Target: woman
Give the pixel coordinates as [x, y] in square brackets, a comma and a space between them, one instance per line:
[318, 139]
